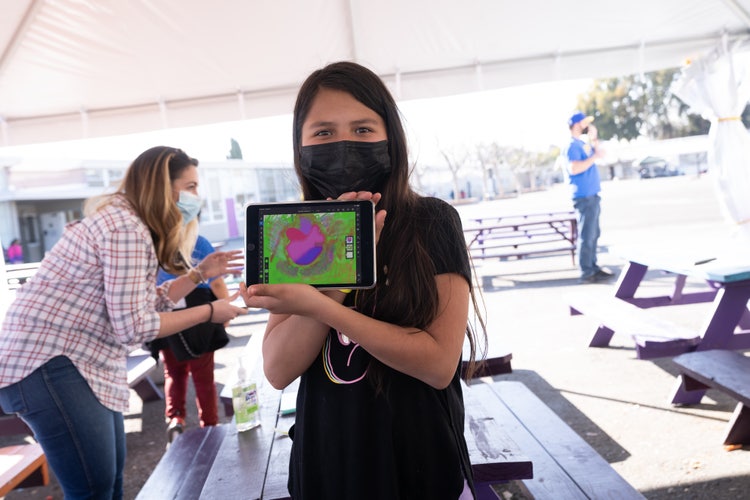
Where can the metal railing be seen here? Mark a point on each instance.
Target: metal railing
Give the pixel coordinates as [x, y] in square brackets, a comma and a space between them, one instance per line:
[18, 274]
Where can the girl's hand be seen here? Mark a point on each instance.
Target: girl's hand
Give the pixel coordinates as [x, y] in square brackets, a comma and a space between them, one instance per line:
[359, 195]
[374, 198]
[221, 263]
[297, 299]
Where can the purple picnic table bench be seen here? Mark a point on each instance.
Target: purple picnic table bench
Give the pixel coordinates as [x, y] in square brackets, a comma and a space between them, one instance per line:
[727, 286]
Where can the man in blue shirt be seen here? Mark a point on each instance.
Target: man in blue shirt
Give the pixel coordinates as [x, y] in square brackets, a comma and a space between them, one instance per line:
[584, 177]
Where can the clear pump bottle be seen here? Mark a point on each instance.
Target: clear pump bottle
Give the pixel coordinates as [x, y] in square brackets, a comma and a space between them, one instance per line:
[245, 401]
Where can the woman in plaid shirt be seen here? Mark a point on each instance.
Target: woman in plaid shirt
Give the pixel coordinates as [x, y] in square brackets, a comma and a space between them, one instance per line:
[66, 336]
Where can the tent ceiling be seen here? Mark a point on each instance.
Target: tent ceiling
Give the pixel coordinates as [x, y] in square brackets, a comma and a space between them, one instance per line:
[72, 69]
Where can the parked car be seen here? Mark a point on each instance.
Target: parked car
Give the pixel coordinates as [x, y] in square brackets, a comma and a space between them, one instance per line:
[652, 166]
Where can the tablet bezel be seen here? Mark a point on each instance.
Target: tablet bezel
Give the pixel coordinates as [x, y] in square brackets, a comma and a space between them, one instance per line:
[365, 210]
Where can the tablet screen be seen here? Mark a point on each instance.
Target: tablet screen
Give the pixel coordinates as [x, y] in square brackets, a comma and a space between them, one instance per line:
[325, 244]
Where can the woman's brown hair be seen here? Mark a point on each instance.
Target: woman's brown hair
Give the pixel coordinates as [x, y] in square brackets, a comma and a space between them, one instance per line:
[147, 187]
[404, 264]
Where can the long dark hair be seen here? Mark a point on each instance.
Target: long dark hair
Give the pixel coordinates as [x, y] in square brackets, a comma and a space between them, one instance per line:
[405, 270]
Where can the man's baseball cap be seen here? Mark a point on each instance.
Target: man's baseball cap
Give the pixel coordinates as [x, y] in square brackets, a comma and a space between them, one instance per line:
[577, 117]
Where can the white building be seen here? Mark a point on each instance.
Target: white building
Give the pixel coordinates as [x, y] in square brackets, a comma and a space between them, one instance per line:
[38, 198]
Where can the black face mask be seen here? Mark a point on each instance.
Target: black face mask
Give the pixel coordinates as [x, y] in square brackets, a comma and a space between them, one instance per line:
[338, 167]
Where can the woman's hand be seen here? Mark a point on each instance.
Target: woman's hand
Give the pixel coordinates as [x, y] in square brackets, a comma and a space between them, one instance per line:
[221, 263]
[223, 310]
[220, 311]
[374, 198]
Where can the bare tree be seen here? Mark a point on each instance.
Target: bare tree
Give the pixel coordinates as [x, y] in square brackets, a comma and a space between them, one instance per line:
[497, 165]
[456, 160]
[417, 171]
[491, 160]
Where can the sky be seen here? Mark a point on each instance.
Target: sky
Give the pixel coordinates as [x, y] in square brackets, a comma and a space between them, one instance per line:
[531, 116]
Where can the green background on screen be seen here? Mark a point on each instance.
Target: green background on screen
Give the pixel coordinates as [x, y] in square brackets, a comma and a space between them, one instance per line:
[285, 234]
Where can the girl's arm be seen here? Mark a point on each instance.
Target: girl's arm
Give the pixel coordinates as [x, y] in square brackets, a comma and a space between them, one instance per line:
[297, 329]
[290, 345]
[291, 342]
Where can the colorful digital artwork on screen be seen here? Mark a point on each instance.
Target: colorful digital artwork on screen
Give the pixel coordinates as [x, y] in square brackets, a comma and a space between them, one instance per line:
[316, 248]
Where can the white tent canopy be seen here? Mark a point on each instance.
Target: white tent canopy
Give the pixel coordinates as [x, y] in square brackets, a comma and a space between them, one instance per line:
[72, 69]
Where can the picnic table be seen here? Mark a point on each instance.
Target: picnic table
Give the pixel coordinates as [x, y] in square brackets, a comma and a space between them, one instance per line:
[511, 434]
[727, 325]
[257, 461]
[727, 372]
[521, 235]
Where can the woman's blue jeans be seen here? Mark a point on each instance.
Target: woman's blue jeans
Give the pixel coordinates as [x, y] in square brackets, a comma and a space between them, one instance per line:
[83, 440]
[588, 209]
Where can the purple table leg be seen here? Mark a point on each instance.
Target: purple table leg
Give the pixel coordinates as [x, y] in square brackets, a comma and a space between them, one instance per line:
[485, 492]
[730, 305]
[630, 279]
[745, 320]
[633, 274]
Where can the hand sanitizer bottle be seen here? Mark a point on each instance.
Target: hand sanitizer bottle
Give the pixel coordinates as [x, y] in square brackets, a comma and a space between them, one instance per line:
[245, 401]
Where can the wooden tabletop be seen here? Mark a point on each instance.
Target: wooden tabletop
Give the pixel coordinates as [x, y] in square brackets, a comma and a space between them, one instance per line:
[256, 462]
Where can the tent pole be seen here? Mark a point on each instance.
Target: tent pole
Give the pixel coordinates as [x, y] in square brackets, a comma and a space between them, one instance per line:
[738, 10]
[20, 34]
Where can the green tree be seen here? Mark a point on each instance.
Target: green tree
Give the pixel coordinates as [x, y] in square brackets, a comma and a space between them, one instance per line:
[235, 153]
[630, 106]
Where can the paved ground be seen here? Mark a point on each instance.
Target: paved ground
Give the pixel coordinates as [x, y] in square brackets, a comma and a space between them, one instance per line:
[618, 403]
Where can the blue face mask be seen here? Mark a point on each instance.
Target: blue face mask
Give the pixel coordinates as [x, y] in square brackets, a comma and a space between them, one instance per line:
[189, 205]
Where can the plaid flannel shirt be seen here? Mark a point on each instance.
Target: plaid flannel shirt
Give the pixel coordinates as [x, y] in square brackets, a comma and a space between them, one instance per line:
[93, 299]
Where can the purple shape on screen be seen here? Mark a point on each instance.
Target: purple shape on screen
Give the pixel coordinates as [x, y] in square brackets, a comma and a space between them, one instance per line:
[305, 243]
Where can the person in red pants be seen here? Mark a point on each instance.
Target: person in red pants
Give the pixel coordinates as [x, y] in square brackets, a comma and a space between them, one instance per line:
[176, 375]
[190, 353]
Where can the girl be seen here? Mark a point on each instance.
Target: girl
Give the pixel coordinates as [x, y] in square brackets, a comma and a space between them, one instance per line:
[380, 410]
[65, 339]
[15, 252]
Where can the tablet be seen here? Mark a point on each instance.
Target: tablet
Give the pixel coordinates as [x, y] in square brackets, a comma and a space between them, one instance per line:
[326, 244]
